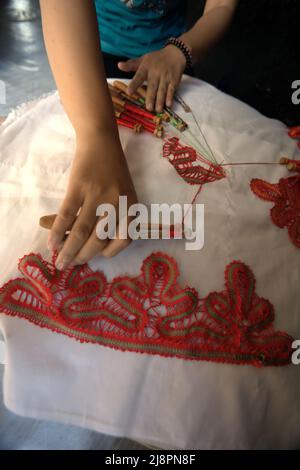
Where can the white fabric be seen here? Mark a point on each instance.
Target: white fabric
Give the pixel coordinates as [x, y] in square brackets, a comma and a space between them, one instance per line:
[170, 402]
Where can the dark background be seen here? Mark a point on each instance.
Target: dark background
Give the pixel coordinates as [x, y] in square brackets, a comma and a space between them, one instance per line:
[256, 62]
[260, 57]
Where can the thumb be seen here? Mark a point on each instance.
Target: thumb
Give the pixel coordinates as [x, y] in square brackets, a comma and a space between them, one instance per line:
[130, 65]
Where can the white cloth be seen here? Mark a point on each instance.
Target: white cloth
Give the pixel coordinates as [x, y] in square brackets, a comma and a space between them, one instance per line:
[169, 402]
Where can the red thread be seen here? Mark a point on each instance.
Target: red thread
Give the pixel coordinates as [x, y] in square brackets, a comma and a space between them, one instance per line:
[150, 313]
[186, 160]
[130, 125]
[140, 111]
[294, 133]
[286, 196]
[149, 125]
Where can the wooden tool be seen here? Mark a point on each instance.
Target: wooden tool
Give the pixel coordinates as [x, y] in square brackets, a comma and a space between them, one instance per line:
[291, 165]
[120, 97]
[158, 231]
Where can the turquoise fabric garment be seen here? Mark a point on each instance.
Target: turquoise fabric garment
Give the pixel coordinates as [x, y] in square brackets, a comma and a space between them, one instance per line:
[131, 28]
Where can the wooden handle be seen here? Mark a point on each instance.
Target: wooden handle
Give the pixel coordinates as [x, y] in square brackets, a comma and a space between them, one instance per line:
[142, 92]
[118, 101]
[47, 221]
[124, 88]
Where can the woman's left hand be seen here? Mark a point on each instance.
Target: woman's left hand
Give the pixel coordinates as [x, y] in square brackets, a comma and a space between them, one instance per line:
[163, 72]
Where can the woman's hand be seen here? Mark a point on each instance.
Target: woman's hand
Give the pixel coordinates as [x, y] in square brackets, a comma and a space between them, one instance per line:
[99, 175]
[162, 70]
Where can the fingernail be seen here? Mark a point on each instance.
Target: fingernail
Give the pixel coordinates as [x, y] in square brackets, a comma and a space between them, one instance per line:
[61, 264]
[50, 246]
[76, 263]
[53, 243]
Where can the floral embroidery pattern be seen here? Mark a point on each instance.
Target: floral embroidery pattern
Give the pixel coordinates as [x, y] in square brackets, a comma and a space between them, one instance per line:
[286, 196]
[150, 313]
[156, 5]
[186, 162]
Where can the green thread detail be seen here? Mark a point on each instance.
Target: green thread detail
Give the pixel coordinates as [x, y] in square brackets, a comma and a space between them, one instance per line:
[72, 276]
[239, 357]
[180, 316]
[150, 345]
[36, 260]
[212, 312]
[171, 273]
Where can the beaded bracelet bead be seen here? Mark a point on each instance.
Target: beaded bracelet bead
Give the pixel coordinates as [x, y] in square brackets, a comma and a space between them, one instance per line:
[184, 49]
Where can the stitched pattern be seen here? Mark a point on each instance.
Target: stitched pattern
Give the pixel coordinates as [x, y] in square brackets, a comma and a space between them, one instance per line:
[286, 196]
[157, 5]
[150, 313]
[186, 162]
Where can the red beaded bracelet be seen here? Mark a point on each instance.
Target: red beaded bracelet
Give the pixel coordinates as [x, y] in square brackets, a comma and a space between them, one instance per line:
[184, 49]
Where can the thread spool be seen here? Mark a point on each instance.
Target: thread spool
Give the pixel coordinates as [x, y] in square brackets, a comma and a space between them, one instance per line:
[284, 161]
[47, 222]
[142, 112]
[113, 90]
[294, 132]
[136, 127]
[118, 101]
[122, 87]
[118, 114]
[142, 92]
[147, 124]
[165, 117]
[158, 132]
[291, 165]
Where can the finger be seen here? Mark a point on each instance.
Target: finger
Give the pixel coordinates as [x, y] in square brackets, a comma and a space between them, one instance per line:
[170, 94]
[64, 220]
[137, 80]
[94, 246]
[161, 96]
[78, 236]
[130, 65]
[104, 230]
[114, 247]
[152, 88]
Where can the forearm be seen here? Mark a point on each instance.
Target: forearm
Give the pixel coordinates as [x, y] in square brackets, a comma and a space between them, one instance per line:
[210, 28]
[72, 42]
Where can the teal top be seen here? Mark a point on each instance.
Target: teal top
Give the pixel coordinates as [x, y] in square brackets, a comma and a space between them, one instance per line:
[131, 28]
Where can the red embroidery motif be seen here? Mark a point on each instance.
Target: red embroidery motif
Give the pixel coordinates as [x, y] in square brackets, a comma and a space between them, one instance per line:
[150, 313]
[294, 133]
[186, 162]
[286, 211]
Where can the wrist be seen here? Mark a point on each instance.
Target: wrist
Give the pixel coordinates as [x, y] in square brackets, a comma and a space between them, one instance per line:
[176, 54]
[184, 38]
[184, 49]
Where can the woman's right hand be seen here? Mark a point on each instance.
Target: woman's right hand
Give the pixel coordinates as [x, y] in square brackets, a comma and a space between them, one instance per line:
[99, 175]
